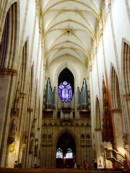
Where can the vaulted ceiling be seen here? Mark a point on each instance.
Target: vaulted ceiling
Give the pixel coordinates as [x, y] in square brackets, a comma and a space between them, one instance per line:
[69, 28]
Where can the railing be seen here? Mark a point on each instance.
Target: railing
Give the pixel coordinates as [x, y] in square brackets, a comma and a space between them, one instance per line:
[116, 157]
[66, 116]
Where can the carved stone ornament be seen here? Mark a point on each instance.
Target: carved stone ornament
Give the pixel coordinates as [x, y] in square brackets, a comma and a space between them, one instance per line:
[14, 111]
[12, 131]
[31, 145]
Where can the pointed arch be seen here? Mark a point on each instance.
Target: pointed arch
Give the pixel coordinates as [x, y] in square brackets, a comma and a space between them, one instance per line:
[126, 67]
[68, 66]
[24, 66]
[20, 85]
[8, 45]
[116, 103]
[66, 131]
[8, 52]
[116, 110]
[17, 105]
[66, 142]
[107, 132]
[98, 116]
[67, 75]
[126, 78]
[105, 97]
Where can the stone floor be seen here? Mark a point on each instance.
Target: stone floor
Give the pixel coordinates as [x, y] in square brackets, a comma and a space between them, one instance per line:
[45, 170]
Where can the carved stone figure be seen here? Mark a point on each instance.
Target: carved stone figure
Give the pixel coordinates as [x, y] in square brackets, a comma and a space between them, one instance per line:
[25, 137]
[13, 128]
[12, 132]
[31, 145]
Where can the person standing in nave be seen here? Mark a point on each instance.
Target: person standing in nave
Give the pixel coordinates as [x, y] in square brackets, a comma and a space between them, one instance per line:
[16, 164]
[94, 164]
[85, 164]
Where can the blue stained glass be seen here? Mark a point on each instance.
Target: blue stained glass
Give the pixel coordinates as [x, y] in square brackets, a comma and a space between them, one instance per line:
[61, 86]
[64, 83]
[65, 92]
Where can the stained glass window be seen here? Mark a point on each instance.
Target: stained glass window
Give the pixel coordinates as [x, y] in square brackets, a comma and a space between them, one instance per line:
[65, 91]
[59, 153]
[69, 154]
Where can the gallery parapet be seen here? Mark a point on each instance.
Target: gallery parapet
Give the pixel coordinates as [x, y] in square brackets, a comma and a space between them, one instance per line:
[66, 116]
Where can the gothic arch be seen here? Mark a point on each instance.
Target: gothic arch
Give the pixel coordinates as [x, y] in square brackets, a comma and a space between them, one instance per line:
[98, 115]
[126, 82]
[126, 67]
[19, 100]
[65, 131]
[115, 92]
[67, 136]
[107, 128]
[72, 70]
[63, 66]
[126, 74]
[23, 66]
[9, 41]
[21, 78]
[70, 141]
[66, 143]
[66, 75]
[116, 110]
[104, 93]
[8, 47]
[25, 135]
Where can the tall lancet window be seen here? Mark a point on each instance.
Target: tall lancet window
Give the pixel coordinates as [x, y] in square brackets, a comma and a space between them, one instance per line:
[66, 86]
[65, 91]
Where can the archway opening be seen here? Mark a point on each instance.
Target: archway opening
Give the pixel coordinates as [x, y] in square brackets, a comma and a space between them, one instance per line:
[65, 151]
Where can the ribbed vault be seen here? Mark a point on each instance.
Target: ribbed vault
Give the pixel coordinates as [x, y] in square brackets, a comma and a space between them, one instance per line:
[69, 28]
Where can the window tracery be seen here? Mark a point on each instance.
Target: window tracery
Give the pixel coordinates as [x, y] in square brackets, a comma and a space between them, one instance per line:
[65, 91]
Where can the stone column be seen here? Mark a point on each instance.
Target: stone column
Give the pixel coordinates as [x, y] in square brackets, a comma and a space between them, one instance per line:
[6, 91]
